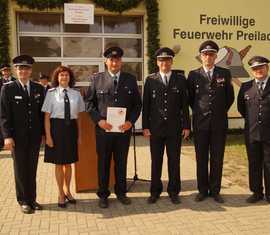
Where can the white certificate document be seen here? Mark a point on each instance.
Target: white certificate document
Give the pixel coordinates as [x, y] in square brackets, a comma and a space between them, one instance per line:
[116, 116]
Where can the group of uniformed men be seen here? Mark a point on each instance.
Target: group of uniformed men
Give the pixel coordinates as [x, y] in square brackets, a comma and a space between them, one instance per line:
[167, 96]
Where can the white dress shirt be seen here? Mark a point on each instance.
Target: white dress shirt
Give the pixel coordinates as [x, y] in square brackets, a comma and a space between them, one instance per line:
[27, 86]
[55, 105]
[168, 75]
[264, 82]
[113, 75]
[206, 70]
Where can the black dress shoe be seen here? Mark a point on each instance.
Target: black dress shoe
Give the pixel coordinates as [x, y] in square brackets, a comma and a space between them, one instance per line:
[71, 201]
[254, 198]
[103, 203]
[27, 209]
[175, 199]
[200, 197]
[152, 199]
[124, 200]
[36, 206]
[62, 205]
[218, 198]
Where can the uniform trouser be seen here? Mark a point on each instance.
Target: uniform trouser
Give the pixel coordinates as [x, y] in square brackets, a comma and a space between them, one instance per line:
[25, 161]
[108, 146]
[173, 149]
[259, 162]
[1, 140]
[212, 141]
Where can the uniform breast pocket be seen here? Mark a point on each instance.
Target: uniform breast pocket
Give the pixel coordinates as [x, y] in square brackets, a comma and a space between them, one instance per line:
[220, 88]
[17, 103]
[102, 94]
[17, 100]
[220, 84]
[220, 81]
[176, 91]
[37, 100]
[248, 99]
[128, 91]
[74, 106]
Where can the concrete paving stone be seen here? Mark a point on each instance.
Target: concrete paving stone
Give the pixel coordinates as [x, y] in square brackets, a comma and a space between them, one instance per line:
[190, 217]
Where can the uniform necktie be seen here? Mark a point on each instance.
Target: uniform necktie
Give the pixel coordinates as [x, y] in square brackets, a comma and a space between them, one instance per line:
[209, 75]
[165, 80]
[260, 87]
[67, 107]
[26, 91]
[115, 82]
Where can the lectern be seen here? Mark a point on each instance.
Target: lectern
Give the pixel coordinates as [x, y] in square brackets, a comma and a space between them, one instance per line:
[86, 177]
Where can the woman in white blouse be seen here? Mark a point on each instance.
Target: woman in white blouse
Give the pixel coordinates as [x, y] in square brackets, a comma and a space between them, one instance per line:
[63, 106]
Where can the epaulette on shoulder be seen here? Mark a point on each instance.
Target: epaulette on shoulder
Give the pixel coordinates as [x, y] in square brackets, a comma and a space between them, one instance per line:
[152, 75]
[76, 89]
[247, 82]
[179, 72]
[96, 75]
[7, 83]
[52, 89]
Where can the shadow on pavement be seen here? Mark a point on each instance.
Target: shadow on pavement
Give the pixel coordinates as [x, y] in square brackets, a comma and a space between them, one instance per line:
[139, 206]
[144, 186]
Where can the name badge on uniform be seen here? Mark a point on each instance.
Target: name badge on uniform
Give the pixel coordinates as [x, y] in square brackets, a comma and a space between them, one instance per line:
[18, 97]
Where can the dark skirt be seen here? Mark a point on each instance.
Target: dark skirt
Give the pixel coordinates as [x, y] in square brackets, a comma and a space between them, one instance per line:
[65, 149]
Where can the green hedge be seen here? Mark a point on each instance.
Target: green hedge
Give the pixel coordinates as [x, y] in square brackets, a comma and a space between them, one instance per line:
[4, 29]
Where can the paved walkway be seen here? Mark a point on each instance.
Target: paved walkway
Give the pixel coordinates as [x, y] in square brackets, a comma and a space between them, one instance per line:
[208, 217]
